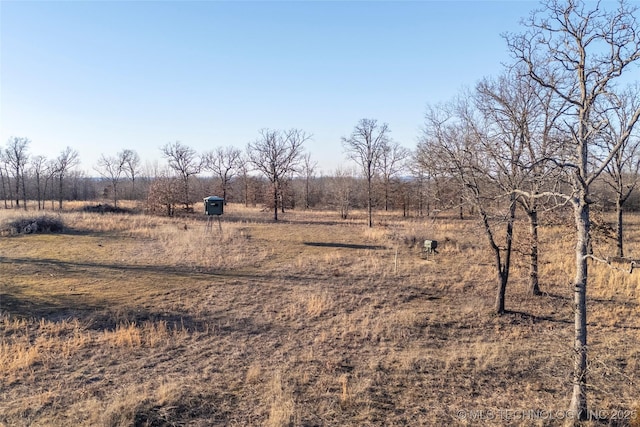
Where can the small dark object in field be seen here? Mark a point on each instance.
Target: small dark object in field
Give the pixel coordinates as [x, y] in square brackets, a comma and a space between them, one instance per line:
[40, 224]
[430, 246]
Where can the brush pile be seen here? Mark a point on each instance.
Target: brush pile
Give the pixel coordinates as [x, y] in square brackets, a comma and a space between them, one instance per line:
[30, 225]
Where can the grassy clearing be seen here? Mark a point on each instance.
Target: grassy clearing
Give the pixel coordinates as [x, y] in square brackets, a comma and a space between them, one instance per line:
[134, 320]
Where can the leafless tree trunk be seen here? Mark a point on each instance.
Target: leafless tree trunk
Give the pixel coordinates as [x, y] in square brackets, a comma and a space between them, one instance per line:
[7, 174]
[622, 173]
[534, 277]
[503, 266]
[4, 183]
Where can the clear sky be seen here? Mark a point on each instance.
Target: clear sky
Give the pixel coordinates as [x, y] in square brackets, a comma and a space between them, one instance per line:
[101, 76]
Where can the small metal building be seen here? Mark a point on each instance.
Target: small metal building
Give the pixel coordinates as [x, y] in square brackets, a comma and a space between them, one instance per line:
[213, 205]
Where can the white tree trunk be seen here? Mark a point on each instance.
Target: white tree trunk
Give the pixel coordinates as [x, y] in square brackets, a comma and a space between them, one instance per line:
[578, 404]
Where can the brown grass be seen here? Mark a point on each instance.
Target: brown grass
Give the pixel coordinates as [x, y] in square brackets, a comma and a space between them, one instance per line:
[136, 320]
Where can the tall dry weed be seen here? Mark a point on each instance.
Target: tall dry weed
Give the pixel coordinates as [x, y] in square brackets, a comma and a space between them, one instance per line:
[318, 303]
[149, 334]
[122, 409]
[281, 411]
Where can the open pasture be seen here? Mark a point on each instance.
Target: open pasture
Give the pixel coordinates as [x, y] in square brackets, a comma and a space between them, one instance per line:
[127, 319]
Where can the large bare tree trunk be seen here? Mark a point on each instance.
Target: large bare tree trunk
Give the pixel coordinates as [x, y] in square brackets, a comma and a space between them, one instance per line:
[4, 192]
[502, 290]
[619, 226]
[275, 201]
[504, 269]
[579, 397]
[502, 265]
[38, 195]
[245, 181]
[24, 192]
[534, 278]
[369, 203]
[17, 190]
[60, 190]
[386, 196]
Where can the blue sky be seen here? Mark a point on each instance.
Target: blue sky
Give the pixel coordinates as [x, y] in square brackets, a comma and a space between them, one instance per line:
[103, 76]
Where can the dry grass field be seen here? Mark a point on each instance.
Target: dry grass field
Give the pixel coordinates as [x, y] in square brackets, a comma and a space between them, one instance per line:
[126, 319]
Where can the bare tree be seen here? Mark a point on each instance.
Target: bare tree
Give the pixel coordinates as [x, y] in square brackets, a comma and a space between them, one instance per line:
[164, 193]
[366, 146]
[185, 162]
[276, 155]
[244, 167]
[579, 51]
[67, 159]
[17, 156]
[223, 162]
[6, 183]
[49, 180]
[622, 173]
[468, 150]
[4, 179]
[521, 116]
[308, 169]
[392, 162]
[437, 190]
[341, 189]
[111, 168]
[39, 169]
[420, 168]
[131, 167]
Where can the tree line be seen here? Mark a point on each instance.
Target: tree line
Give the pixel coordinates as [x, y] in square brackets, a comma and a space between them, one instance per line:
[383, 175]
[44, 177]
[273, 170]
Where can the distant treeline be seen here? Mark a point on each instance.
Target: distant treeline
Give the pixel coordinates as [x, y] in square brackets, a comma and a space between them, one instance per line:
[345, 190]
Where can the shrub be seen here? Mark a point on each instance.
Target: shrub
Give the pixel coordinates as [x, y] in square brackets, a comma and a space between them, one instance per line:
[106, 208]
[30, 225]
